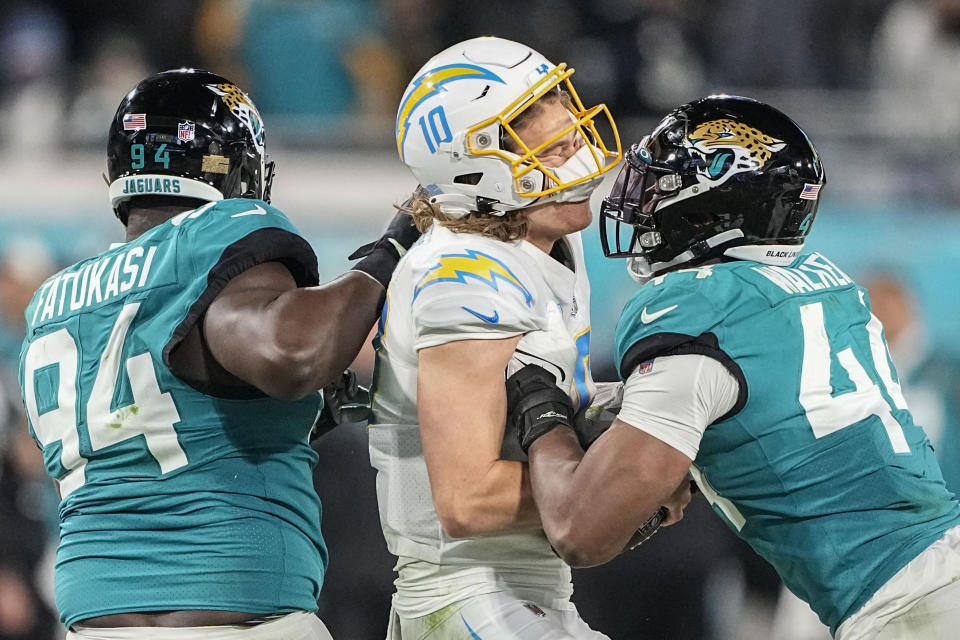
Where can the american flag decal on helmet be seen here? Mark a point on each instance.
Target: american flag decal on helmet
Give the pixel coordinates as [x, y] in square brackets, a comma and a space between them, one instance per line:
[810, 191]
[134, 121]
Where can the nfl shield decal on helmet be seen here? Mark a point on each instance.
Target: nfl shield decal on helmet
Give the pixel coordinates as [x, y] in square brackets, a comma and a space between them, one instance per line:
[186, 131]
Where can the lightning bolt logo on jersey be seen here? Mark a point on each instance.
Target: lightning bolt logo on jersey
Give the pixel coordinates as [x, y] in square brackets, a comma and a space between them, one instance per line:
[427, 85]
[460, 287]
[452, 267]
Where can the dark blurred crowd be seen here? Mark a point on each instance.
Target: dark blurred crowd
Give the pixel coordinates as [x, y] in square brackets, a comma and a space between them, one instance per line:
[329, 73]
[28, 530]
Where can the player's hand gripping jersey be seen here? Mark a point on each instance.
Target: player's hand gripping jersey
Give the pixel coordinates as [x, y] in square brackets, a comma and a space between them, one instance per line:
[818, 465]
[166, 498]
[465, 287]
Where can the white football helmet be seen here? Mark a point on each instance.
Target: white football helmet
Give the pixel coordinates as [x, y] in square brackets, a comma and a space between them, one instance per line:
[457, 112]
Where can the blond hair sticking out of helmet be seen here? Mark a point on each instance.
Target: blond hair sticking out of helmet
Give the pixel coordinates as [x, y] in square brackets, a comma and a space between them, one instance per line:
[507, 156]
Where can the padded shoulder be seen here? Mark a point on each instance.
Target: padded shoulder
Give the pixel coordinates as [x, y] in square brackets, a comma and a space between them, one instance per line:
[677, 307]
[221, 240]
[680, 314]
[467, 286]
[228, 237]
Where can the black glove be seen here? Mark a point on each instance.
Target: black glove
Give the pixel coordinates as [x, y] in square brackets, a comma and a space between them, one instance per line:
[588, 429]
[344, 400]
[647, 529]
[535, 405]
[380, 257]
[592, 422]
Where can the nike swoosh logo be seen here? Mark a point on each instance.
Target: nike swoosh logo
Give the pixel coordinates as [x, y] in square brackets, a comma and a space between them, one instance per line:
[473, 634]
[647, 318]
[492, 319]
[256, 211]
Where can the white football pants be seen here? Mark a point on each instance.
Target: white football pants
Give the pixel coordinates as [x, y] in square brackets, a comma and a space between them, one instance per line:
[495, 616]
[920, 602]
[300, 625]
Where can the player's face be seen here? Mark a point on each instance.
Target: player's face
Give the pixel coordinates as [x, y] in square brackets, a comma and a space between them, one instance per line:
[549, 222]
[551, 119]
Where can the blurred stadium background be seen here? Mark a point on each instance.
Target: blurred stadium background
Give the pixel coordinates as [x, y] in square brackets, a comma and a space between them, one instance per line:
[874, 82]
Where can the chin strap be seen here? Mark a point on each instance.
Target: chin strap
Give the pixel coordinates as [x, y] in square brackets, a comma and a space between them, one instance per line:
[584, 162]
[642, 270]
[458, 205]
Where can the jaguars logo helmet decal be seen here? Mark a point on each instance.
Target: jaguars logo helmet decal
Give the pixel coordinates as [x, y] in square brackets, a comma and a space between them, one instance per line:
[196, 135]
[729, 147]
[241, 106]
[720, 176]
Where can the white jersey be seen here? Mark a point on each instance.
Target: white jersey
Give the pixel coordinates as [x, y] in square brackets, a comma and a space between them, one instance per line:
[449, 287]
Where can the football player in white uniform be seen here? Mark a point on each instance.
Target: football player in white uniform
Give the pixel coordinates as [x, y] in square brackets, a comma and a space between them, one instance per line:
[508, 157]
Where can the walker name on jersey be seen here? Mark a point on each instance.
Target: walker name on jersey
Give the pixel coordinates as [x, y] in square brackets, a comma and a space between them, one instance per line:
[97, 282]
[136, 186]
[813, 274]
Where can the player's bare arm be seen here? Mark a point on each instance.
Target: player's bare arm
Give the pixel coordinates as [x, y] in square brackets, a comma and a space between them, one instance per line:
[462, 405]
[591, 504]
[289, 341]
[219, 287]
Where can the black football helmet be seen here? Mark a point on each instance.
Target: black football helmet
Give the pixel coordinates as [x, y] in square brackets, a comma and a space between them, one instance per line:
[720, 176]
[187, 133]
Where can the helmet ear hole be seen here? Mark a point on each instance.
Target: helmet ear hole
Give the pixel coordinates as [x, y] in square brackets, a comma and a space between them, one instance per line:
[468, 178]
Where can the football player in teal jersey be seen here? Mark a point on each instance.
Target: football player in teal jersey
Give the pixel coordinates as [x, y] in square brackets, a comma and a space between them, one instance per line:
[172, 381]
[759, 369]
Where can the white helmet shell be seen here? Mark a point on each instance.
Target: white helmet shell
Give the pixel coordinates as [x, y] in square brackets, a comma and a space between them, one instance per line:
[456, 114]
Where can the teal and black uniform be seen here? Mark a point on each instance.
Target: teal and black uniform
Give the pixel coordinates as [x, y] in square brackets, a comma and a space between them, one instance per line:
[819, 465]
[174, 496]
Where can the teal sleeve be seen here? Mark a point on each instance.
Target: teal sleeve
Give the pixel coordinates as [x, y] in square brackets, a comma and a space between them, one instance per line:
[225, 239]
[661, 317]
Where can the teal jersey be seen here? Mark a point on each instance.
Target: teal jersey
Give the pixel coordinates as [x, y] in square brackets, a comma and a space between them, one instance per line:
[174, 496]
[819, 465]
